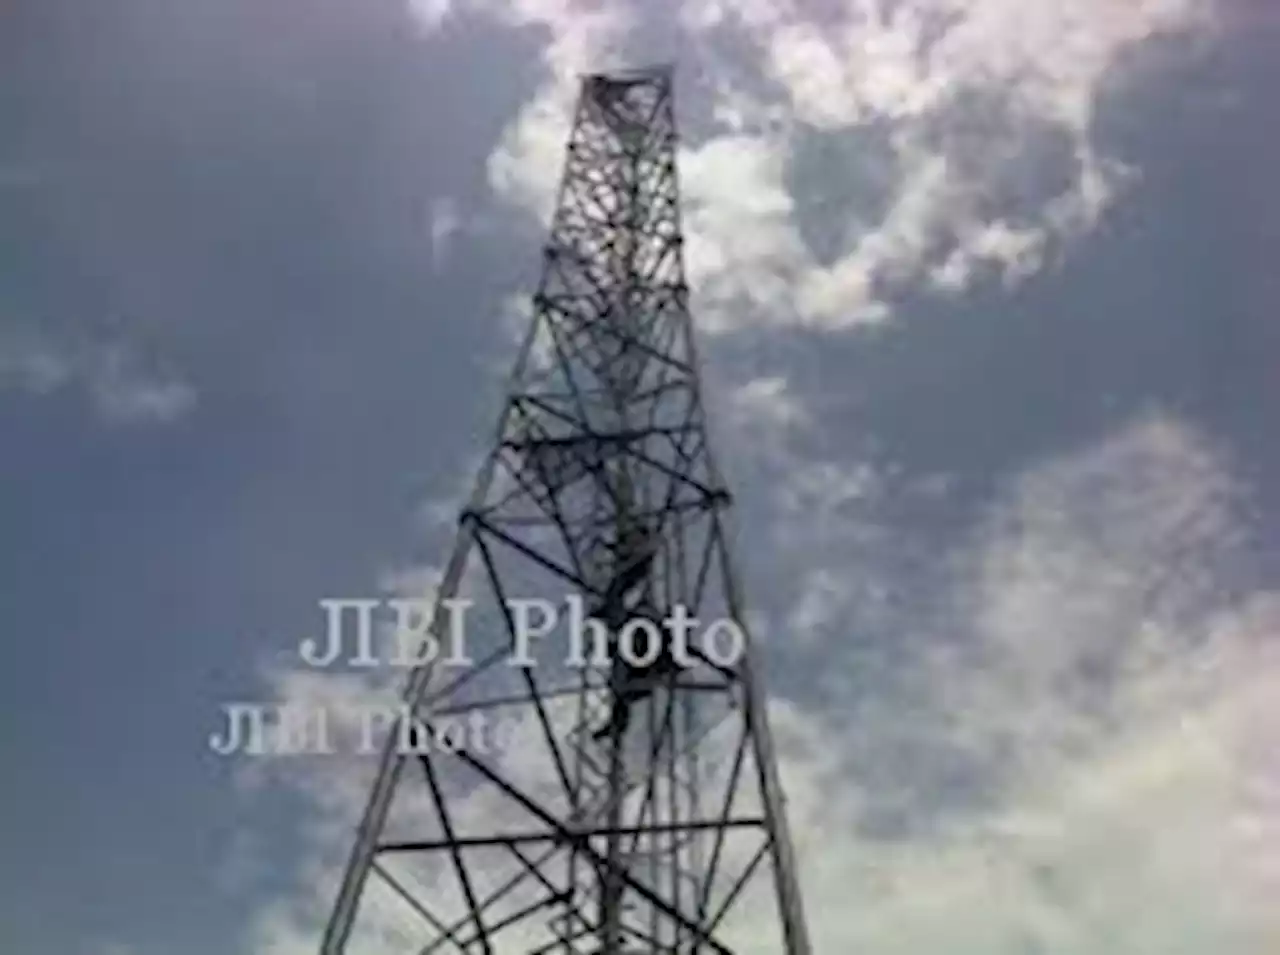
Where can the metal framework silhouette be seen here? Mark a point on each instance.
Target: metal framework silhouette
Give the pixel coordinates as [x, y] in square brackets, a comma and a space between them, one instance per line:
[634, 806]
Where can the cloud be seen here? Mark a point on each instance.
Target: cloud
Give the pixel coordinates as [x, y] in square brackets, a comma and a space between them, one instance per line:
[765, 404]
[984, 110]
[524, 168]
[1077, 753]
[430, 14]
[120, 384]
[32, 365]
[979, 116]
[124, 392]
[745, 249]
[1071, 748]
[445, 224]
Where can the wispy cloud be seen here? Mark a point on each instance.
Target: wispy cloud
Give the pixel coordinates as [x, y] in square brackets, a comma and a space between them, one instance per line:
[1071, 751]
[981, 116]
[120, 384]
[444, 223]
[978, 117]
[524, 169]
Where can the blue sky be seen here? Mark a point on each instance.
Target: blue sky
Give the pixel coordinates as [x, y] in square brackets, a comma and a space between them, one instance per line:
[987, 293]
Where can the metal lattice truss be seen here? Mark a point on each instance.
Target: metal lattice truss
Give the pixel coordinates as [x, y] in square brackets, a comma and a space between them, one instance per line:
[631, 806]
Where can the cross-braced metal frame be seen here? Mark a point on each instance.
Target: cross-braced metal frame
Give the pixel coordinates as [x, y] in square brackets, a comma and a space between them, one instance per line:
[634, 806]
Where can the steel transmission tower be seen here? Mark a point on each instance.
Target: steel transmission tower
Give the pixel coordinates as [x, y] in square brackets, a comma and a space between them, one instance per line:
[633, 806]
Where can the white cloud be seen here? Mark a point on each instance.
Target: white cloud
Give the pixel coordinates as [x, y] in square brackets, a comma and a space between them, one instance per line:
[430, 14]
[1078, 752]
[525, 167]
[1160, 837]
[124, 393]
[766, 404]
[445, 224]
[744, 250]
[1085, 748]
[964, 93]
[29, 364]
[985, 107]
[119, 385]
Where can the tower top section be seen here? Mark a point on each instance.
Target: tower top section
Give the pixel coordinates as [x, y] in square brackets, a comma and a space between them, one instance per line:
[652, 73]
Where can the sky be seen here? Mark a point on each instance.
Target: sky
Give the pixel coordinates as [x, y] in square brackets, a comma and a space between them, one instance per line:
[986, 298]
